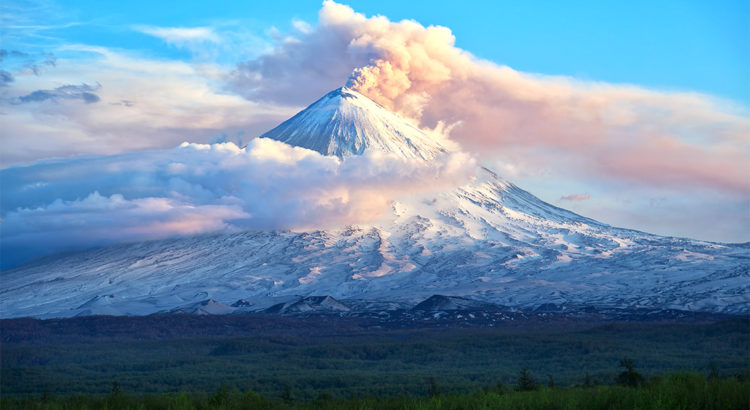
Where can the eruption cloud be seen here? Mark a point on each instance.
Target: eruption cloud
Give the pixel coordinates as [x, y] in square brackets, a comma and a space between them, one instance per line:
[621, 133]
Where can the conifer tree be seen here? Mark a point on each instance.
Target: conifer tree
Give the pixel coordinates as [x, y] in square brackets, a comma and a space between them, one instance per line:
[629, 377]
[525, 381]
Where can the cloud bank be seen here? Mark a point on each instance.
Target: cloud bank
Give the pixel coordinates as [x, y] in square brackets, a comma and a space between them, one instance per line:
[197, 188]
[113, 102]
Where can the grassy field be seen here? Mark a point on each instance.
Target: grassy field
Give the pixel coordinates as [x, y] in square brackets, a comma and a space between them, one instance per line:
[675, 391]
[373, 362]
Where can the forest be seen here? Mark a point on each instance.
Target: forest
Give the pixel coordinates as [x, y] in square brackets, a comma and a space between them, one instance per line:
[296, 361]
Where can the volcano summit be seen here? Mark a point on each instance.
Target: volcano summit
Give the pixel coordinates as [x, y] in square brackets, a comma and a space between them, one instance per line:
[486, 242]
[345, 123]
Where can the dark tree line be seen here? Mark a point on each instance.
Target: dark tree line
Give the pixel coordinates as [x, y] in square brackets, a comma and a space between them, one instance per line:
[629, 378]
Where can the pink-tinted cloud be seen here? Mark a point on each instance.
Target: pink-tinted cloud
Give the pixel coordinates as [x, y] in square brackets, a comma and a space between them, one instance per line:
[670, 161]
[575, 197]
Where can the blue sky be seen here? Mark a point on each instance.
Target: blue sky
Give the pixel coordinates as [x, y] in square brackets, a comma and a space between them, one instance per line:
[632, 113]
[674, 45]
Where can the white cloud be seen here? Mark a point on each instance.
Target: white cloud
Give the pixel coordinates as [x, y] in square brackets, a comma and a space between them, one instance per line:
[302, 26]
[195, 188]
[225, 42]
[181, 36]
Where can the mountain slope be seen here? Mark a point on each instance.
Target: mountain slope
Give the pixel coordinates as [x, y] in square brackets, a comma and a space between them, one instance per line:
[488, 241]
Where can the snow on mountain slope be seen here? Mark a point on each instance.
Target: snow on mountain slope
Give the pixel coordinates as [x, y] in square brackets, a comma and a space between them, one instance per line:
[345, 123]
[487, 240]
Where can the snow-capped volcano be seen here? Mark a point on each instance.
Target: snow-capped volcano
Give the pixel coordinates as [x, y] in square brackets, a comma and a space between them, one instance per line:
[487, 240]
[345, 123]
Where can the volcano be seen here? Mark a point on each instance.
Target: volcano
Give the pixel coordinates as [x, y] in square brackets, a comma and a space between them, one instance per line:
[486, 242]
[345, 123]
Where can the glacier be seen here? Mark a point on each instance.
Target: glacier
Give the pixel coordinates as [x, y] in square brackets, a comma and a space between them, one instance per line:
[487, 240]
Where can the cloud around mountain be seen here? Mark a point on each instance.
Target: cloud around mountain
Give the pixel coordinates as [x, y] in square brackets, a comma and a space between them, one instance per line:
[197, 188]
